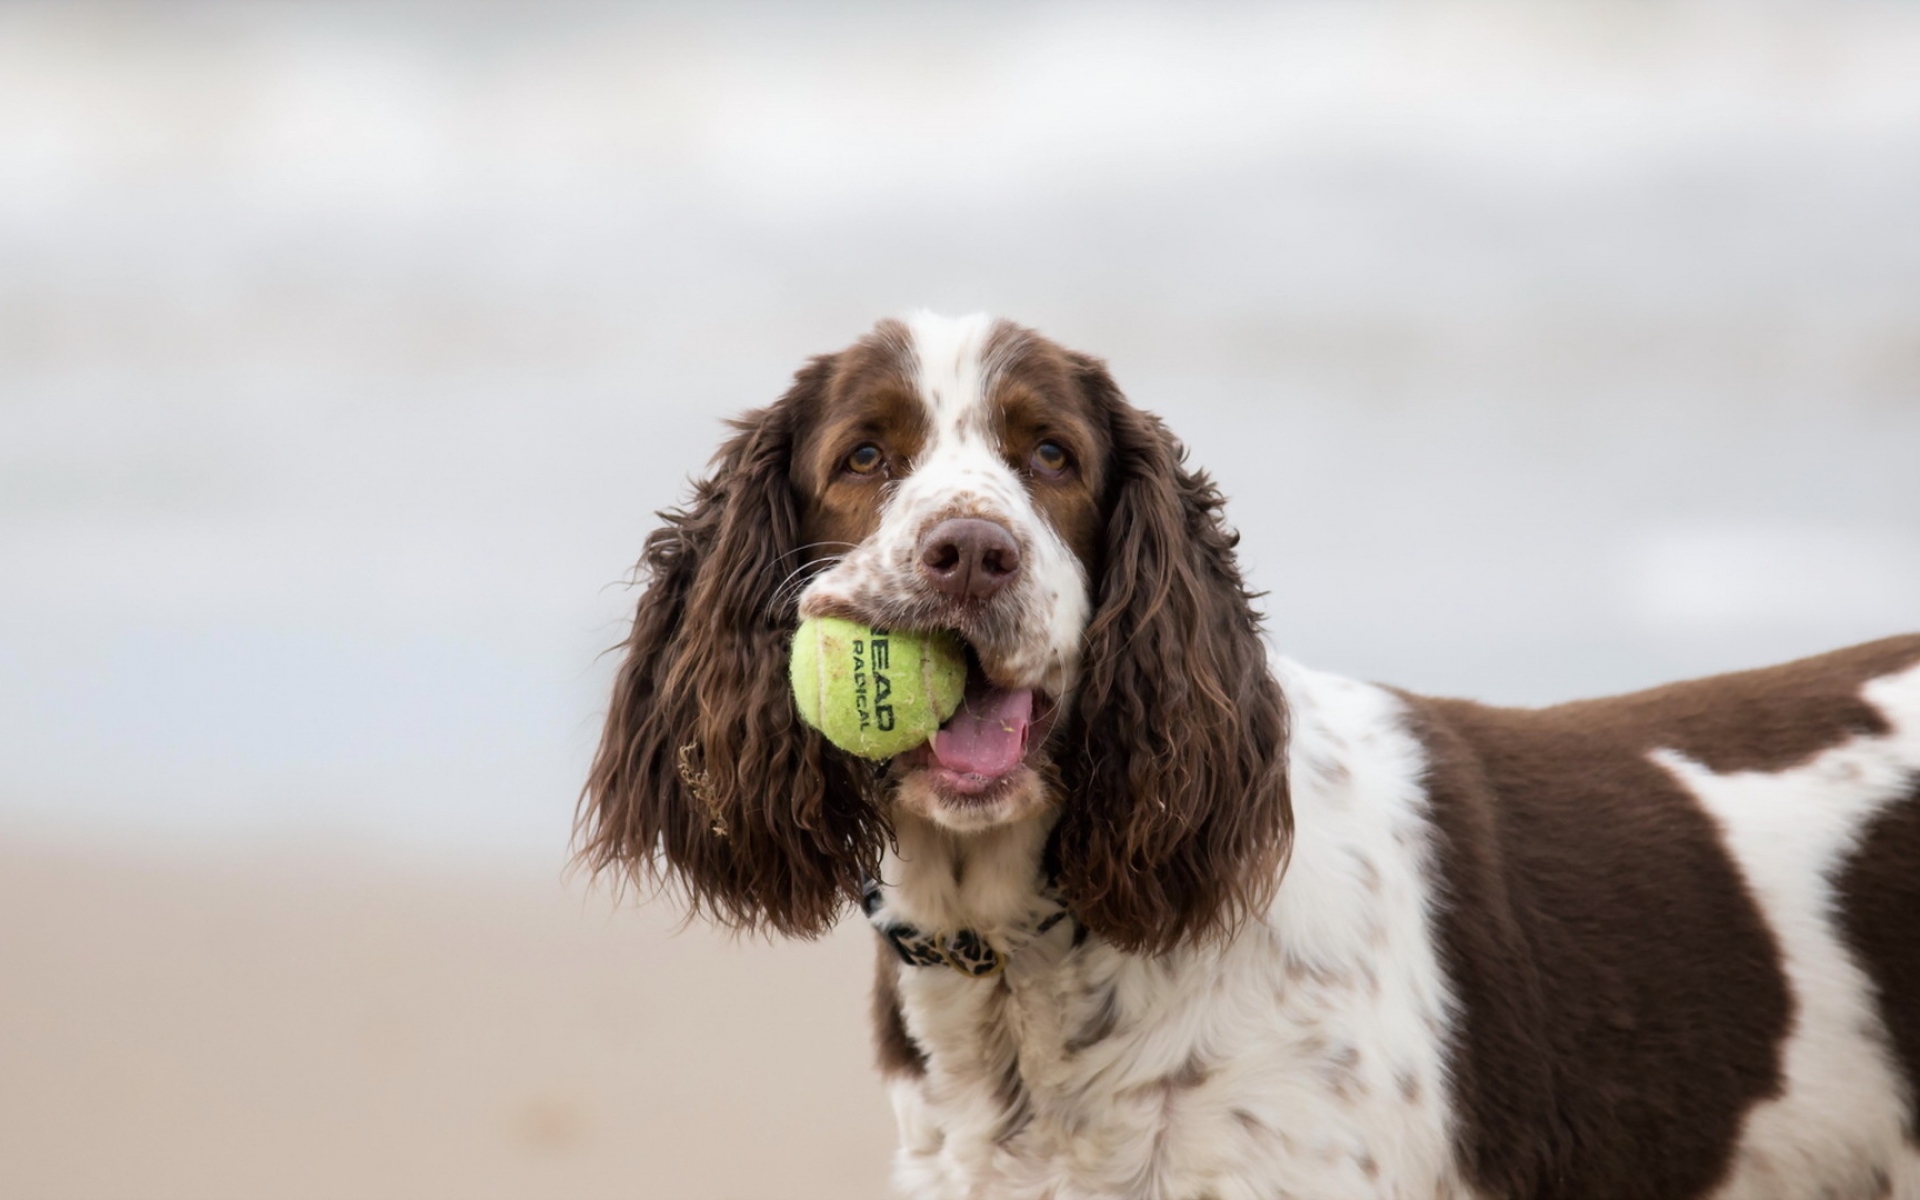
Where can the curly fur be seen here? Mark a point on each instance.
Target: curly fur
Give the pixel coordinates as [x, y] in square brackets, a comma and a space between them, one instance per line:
[1176, 822]
[705, 777]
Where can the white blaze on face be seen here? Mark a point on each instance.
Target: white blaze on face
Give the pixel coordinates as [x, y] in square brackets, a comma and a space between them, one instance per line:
[1031, 636]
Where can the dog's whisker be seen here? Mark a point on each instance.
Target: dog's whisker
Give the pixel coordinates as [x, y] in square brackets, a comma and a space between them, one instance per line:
[788, 590]
[802, 549]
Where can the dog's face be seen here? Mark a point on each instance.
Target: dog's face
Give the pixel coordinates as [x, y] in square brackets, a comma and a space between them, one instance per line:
[955, 480]
[969, 476]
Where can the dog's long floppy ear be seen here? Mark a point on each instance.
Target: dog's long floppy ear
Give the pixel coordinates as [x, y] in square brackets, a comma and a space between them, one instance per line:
[1178, 822]
[705, 777]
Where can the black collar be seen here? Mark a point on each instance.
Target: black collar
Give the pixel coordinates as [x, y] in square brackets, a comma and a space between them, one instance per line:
[965, 950]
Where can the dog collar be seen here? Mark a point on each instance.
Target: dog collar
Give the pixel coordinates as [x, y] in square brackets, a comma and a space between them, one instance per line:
[965, 950]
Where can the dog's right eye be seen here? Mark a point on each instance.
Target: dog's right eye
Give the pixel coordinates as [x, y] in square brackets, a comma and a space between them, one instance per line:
[866, 459]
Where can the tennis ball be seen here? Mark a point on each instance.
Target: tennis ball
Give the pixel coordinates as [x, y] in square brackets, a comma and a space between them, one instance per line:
[875, 692]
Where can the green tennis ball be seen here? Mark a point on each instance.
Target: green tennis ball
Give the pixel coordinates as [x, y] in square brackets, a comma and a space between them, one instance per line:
[875, 692]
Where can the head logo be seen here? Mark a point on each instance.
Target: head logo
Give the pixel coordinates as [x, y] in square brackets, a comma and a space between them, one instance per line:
[872, 688]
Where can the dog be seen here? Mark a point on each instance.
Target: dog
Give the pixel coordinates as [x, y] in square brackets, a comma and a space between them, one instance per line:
[1160, 915]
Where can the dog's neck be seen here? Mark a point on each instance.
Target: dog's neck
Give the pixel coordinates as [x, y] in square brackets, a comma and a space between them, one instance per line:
[990, 883]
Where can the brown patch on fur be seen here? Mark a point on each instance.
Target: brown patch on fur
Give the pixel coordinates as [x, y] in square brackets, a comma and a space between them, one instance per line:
[1340, 1069]
[1879, 894]
[1594, 925]
[869, 397]
[1409, 1085]
[1016, 1106]
[1763, 720]
[1036, 397]
[1191, 1074]
[1302, 971]
[1187, 1076]
[1105, 1017]
[1369, 873]
[1176, 820]
[894, 1048]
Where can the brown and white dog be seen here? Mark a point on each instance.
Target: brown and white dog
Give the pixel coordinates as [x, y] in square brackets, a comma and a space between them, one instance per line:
[1161, 916]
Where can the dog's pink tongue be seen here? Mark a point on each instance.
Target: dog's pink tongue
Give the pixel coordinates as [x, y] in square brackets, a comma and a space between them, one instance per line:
[988, 734]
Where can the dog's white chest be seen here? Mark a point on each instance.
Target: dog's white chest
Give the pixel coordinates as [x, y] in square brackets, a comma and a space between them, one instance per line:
[1302, 1057]
[1092, 1074]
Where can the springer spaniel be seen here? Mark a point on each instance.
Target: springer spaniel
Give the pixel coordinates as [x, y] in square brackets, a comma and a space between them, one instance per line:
[1159, 916]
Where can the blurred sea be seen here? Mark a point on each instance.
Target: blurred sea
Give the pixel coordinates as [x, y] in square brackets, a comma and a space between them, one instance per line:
[345, 350]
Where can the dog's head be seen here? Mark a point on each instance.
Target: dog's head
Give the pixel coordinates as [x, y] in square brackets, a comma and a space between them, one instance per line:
[970, 476]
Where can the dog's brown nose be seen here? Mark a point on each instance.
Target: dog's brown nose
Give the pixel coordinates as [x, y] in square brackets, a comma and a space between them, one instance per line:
[968, 558]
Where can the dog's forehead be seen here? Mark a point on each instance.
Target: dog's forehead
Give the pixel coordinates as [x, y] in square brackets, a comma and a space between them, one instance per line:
[958, 364]
[950, 367]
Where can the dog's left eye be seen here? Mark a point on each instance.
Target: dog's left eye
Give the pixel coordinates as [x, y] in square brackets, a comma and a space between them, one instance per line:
[1051, 458]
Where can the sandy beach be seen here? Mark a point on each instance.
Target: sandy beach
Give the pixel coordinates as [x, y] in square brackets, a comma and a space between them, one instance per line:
[281, 1027]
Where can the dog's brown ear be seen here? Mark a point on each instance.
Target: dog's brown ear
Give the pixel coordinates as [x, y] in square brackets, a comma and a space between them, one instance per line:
[1177, 820]
[705, 777]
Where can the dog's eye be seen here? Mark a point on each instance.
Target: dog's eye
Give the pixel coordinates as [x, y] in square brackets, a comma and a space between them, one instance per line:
[1050, 458]
[866, 459]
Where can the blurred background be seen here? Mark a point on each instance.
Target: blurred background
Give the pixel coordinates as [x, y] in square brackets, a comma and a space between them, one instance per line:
[346, 349]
